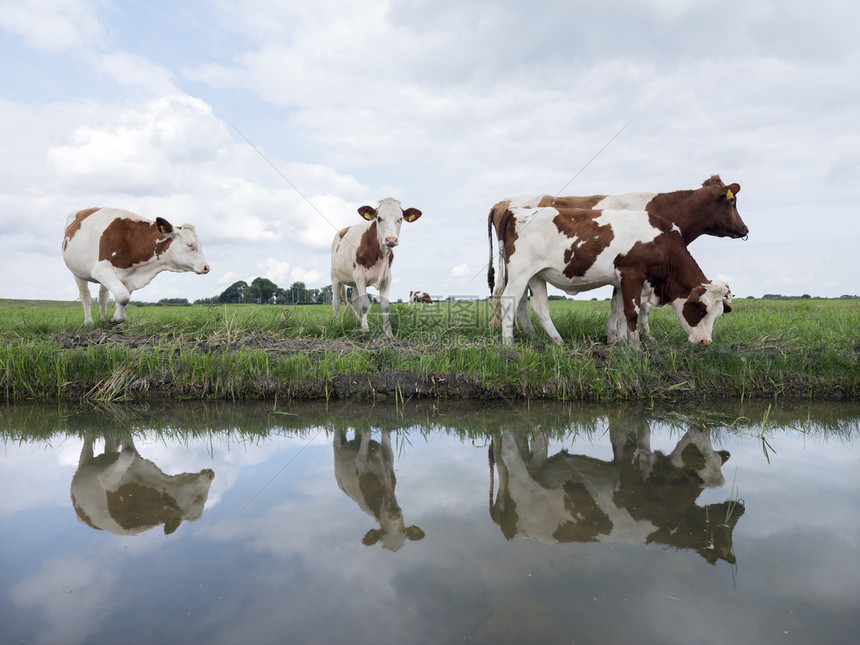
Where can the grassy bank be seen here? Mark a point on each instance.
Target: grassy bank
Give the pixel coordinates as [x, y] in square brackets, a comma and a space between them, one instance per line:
[776, 349]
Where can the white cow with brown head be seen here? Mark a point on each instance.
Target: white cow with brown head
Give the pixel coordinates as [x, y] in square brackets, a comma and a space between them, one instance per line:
[123, 252]
[361, 257]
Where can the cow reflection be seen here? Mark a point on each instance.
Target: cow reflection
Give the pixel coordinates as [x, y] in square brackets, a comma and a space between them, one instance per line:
[640, 497]
[364, 470]
[121, 492]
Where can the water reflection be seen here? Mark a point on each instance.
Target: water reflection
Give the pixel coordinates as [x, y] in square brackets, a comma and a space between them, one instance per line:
[364, 470]
[121, 492]
[639, 497]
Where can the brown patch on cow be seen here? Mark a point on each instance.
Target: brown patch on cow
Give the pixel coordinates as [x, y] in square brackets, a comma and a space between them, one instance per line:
[133, 506]
[694, 310]
[587, 202]
[369, 251]
[590, 238]
[342, 232]
[126, 242]
[75, 225]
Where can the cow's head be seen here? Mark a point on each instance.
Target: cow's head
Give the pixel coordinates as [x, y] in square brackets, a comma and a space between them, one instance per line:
[721, 206]
[388, 217]
[701, 308]
[184, 252]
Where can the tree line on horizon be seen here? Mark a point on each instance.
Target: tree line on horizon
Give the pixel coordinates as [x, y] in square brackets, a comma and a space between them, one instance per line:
[263, 291]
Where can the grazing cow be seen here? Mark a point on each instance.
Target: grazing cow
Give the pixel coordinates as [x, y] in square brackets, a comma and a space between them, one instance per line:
[577, 249]
[121, 492]
[640, 497]
[361, 257]
[123, 252]
[420, 297]
[709, 210]
[364, 470]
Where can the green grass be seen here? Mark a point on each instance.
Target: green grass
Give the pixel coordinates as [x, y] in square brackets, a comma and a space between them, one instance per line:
[776, 349]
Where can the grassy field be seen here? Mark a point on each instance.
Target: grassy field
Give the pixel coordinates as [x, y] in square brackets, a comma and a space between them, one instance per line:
[765, 348]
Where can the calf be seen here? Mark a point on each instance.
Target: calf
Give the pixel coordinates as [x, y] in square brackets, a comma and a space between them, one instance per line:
[420, 297]
[121, 492]
[361, 257]
[578, 249]
[709, 210]
[123, 252]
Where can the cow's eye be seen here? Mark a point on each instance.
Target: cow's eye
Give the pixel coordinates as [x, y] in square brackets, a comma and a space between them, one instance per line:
[190, 246]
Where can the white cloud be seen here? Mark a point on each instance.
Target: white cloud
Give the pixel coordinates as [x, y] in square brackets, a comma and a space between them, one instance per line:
[52, 25]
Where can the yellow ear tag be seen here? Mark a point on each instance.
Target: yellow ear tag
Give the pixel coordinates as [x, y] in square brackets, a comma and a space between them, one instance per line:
[729, 194]
[162, 230]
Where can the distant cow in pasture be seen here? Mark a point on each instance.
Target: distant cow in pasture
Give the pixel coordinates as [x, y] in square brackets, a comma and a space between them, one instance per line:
[709, 210]
[640, 497]
[577, 249]
[123, 252]
[121, 492]
[364, 470]
[420, 297]
[361, 257]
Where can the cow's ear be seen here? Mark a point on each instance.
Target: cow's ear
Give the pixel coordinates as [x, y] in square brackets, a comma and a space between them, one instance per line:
[367, 212]
[411, 214]
[414, 533]
[164, 227]
[371, 537]
[727, 308]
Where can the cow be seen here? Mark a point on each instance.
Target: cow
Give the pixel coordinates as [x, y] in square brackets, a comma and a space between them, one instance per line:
[420, 297]
[361, 257]
[121, 492]
[578, 249]
[709, 210]
[640, 497]
[364, 470]
[123, 252]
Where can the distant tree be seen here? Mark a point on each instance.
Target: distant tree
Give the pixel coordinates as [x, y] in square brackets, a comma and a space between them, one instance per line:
[235, 293]
[264, 290]
[174, 301]
[298, 292]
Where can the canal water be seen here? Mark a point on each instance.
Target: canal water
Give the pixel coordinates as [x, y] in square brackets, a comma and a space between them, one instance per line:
[427, 522]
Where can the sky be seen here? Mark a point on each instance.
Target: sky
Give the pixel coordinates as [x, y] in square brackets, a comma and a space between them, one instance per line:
[267, 124]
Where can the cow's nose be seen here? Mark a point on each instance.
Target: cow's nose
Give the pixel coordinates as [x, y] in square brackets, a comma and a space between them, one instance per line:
[704, 342]
[206, 269]
[391, 241]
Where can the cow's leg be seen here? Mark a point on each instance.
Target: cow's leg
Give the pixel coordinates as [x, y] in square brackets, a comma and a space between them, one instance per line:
[110, 280]
[514, 291]
[86, 299]
[384, 286]
[540, 305]
[104, 293]
[644, 311]
[335, 296]
[361, 303]
[631, 294]
[616, 309]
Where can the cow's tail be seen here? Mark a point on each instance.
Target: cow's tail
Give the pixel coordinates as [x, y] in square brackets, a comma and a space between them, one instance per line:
[497, 289]
[491, 271]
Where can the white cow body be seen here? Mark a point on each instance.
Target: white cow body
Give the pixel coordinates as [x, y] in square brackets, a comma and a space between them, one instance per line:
[123, 252]
[361, 257]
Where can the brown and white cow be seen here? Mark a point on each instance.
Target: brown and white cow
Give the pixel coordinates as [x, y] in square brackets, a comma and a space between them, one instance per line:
[364, 470]
[420, 297]
[577, 249]
[121, 492]
[709, 210]
[361, 257]
[640, 497]
[123, 252]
